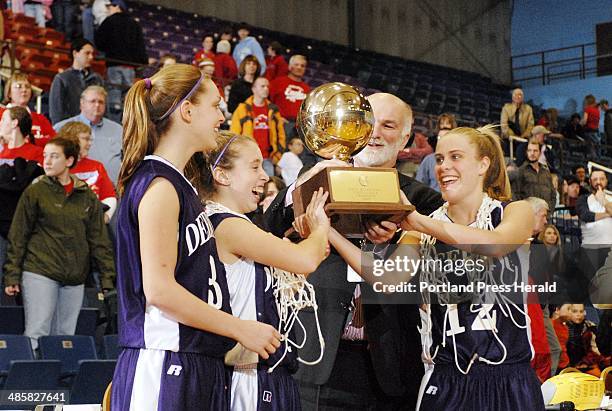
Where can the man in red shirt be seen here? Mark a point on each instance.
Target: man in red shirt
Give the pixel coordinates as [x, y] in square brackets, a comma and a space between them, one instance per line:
[260, 119]
[288, 92]
[15, 127]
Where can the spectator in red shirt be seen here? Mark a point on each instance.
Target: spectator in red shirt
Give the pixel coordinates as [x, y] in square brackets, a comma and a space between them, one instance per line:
[15, 127]
[560, 316]
[289, 91]
[590, 122]
[549, 120]
[207, 48]
[18, 93]
[89, 170]
[276, 66]
[225, 66]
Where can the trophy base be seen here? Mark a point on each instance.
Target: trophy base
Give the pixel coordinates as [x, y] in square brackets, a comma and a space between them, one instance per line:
[351, 223]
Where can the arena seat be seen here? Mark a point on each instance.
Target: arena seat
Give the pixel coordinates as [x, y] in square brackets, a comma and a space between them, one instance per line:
[91, 381]
[87, 321]
[13, 347]
[69, 349]
[33, 375]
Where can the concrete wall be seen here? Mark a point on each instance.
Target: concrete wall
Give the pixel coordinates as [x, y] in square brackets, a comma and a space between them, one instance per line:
[471, 35]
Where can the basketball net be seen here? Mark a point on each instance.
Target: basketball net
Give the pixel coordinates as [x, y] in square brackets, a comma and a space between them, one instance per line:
[292, 294]
[503, 303]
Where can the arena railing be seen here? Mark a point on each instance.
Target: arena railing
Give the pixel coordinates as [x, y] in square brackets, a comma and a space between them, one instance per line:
[546, 66]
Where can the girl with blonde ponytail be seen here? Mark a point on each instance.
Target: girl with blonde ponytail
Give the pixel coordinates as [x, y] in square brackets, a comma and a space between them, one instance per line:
[175, 324]
[476, 346]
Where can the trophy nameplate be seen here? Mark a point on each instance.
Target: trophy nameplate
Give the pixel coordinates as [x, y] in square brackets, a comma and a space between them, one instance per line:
[356, 194]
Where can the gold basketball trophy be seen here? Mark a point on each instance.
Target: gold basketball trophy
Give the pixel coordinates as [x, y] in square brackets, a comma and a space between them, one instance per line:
[336, 121]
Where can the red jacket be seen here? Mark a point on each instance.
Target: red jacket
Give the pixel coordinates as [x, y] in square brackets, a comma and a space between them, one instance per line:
[225, 68]
[276, 67]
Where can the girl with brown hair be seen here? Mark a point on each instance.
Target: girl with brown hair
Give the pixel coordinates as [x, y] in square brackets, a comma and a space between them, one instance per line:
[175, 323]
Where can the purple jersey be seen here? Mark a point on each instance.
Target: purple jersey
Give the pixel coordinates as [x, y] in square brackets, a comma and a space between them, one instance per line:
[260, 296]
[197, 269]
[463, 334]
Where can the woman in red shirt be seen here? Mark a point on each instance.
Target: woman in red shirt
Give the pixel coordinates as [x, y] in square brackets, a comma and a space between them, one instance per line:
[590, 122]
[208, 42]
[275, 62]
[89, 170]
[18, 93]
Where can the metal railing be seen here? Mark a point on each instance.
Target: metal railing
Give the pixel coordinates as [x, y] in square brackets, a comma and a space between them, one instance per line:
[547, 66]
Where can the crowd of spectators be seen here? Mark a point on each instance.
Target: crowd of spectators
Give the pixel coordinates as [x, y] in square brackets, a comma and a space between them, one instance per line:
[82, 143]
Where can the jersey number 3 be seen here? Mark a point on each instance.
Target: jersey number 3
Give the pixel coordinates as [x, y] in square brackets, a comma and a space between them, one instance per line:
[215, 298]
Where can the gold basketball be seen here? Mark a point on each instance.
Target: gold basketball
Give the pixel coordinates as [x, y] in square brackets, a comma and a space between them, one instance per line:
[336, 121]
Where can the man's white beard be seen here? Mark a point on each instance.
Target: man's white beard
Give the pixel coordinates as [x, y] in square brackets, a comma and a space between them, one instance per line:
[370, 158]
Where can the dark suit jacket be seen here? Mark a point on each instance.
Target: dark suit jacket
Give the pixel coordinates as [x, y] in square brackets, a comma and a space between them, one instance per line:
[394, 340]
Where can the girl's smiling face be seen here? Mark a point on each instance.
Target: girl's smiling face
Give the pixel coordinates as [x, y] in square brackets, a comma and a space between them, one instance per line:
[247, 177]
[458, 169]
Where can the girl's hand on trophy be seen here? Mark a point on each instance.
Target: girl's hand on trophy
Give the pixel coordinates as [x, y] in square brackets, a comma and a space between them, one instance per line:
[379, 233]
[316, 218]
[301, 226]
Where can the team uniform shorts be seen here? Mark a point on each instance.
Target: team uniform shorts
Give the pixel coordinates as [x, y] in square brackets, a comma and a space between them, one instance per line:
[485, 387]
[147, 379]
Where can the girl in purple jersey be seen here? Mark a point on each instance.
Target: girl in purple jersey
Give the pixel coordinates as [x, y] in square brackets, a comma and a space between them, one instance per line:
[476, 355]
[237, 181]
[172, 324]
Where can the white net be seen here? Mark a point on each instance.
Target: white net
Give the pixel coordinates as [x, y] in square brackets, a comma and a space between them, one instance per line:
[487, 321]
[292, 294]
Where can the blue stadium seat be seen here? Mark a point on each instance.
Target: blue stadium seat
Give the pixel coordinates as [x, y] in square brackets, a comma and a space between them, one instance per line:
[91, 381]
[87, 322]
[13, 347]
[33, 375]
[110, 346]
[69, 349]
[11, 319]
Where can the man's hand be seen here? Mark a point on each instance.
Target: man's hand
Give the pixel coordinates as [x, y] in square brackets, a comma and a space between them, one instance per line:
[609, 208]
[600, 195]
[380, 233]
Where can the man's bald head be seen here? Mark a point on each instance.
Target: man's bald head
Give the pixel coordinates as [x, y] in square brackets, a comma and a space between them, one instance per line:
[402, 111]
[392, 125]
[517, 96]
